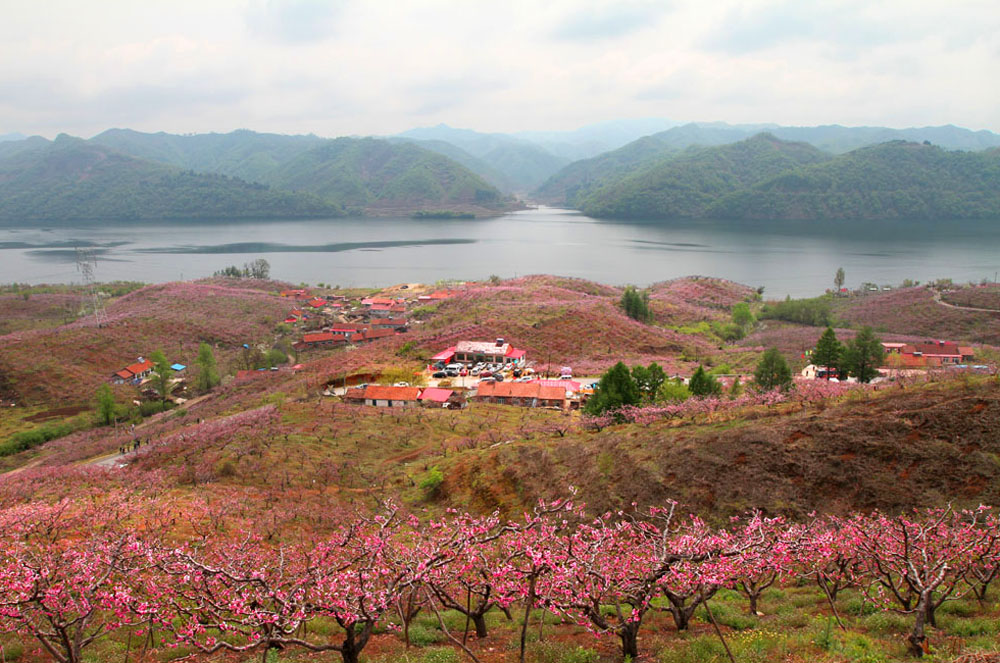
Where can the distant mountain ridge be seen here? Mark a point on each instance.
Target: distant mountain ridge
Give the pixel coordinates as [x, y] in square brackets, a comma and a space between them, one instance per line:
[312, 175]
[72, 179]
[764, 177]
[576, 181]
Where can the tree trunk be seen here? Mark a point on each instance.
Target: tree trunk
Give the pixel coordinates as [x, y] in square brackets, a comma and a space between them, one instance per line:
[629, 635]
[753, 596]
[917, 637]
[479, 620]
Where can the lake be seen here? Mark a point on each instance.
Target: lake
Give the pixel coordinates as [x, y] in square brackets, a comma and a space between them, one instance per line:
[797, 259]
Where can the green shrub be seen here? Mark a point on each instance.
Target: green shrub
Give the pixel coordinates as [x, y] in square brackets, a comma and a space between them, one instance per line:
[431, 482]
[967, 628]
[440, 655]
[421, 636]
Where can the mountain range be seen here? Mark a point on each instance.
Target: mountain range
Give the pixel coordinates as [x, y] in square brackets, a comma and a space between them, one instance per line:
[128, 174]
[688, 170]
[764, 177]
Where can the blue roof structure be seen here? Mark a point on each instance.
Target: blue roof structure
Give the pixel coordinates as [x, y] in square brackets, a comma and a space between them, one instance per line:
[178, 367]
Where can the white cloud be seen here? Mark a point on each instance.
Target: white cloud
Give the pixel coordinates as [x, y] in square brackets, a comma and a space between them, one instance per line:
[380, 66]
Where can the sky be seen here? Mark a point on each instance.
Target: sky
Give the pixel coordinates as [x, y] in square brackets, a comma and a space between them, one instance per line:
[333, 67]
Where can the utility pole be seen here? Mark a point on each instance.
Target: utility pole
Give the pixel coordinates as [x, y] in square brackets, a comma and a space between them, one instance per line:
[86, 263]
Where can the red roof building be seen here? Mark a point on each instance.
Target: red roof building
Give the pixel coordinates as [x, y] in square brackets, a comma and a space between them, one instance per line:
[435, 394]
[528, 394]
[385, 396]
[317, 302]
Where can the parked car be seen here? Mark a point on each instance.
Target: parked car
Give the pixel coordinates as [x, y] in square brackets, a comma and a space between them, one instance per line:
[463, 372]
[439, 365]
[440, 374]
[487, 379]
[401, 384]
[455, 367]
[452, 373]
[486, 374]
[516, 372]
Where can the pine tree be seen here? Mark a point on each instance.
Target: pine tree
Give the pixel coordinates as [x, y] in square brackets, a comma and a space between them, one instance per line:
[648, 379]
[616, 389]
[863, 355]
[703, 383]
[636, 304]
[828, 350]
[162, 376]
[105, 405]
[773, 372]
[208, 373]
[736, 390]
[838, 279]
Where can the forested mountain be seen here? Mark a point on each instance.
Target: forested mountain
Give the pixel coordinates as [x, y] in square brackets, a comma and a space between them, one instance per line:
[574, 182]
[245, 154]
[455, 153]
[570, 185]
[690, 184]
[381, 177]
[74, 179]
[525, 165]
[893, 180]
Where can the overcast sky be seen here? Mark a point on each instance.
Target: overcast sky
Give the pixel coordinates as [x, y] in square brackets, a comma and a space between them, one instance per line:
[332, 67]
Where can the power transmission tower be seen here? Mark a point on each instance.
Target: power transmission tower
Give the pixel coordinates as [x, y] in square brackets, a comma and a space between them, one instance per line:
[86, 263]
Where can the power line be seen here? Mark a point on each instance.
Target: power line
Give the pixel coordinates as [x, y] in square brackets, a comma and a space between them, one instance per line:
[86, 263]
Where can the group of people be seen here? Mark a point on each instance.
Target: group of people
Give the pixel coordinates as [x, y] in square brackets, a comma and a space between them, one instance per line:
[133, 446]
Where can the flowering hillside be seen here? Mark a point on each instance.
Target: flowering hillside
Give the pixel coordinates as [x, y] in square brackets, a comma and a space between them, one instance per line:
[914, 311]
[578, 325]
[69, 362]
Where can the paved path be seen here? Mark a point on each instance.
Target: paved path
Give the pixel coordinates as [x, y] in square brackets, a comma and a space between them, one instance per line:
[937, 298]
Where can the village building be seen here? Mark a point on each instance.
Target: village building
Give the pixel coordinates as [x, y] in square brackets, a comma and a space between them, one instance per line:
[525, 394]
[385, 396]
[471, 352]
[133, 372]
[297, 293]
[386, 310]
[437, 296]
[438, 397]
[319, 340]
[390, 323]
[926, 355]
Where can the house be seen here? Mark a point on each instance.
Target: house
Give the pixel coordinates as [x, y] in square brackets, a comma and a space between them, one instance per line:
[437, 296]
[498, 352]
[316, 302]
[445, 356]
[437, 397]
[369, 335]
[320, 340]
[390, 323]
[368, 302]
[385, 396]
[345, 331]
[386, 310]
[297, 293]
[526, 394]
[930, 354]
[133, 372]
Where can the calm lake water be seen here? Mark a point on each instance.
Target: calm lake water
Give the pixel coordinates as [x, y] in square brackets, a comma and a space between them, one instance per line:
[786, 258]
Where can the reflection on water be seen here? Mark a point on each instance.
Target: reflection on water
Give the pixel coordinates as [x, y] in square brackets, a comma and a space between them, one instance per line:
[785, 257]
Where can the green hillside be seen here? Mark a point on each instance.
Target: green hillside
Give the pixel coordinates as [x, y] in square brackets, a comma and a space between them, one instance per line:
[524, 164]
[74, 179]
[244, 154]
[892, 180]
[690, 184]
[380, 177]
[574, 182]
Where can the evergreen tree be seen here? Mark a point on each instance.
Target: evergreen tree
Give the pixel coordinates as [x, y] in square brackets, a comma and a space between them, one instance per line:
[105, 405]
[736, 390]
[773, 371]
[673, 391]
[703, 383]
[162, 375]
[616, 388]
[648, 379]
[838, 279]
[743, 316]
[828, 350]
[636, 304]
[208, 373]
[863, 355]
